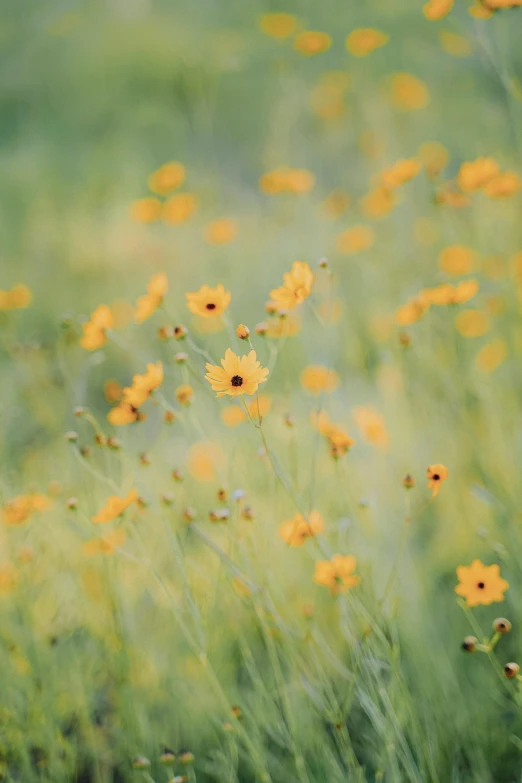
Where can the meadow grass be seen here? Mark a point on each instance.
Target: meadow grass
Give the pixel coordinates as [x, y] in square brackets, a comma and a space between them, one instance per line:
[188, 622]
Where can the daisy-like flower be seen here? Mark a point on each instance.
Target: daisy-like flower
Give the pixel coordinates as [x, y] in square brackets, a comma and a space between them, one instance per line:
[436, 474]
[297, 286]
[365, 40]
[238, 374]
[337, 573]
[133, 397]
[480, 584]
[310, 42]
[316, 379]
[148, 304]
[296, 531]
[95, 329]
[115, 507]
[209, 302]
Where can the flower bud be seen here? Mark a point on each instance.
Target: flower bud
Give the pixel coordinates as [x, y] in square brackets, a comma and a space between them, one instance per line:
[501, 625]
[408, 481]
[271, 307]
[404, 339]
[71, 436]
[167, 758]
[165, 332]
[79, 411]
[323, 263]
[185, 757]
[189, 514]
[262, 328]
[219, 515]
[247, 513]
[85, 451]
[237, 712]
[114, 443]
[180, 332]
[140, 762]
[243, 332]
[222, 495]
[100, 439]
[169, 417]
[167, 499]
[469, 644]
[511, 670]
[177, 475]
[289, 420]
[72, 504]
[145, 459]
[181, 358]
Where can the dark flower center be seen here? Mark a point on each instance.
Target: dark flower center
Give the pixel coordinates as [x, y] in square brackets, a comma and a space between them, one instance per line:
[436, 477]
[237, 380]
[210, 306]
[481, 585]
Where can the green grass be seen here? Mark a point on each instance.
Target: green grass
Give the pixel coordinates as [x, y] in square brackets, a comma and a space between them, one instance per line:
[106, 658]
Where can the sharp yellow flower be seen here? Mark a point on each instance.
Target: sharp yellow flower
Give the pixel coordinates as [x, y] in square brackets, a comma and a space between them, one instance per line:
[209, 302]
[297, 286]
[296, 531]
[238, 374]
[480, 584]
[148, 304]
[337, 573]
[115, 507]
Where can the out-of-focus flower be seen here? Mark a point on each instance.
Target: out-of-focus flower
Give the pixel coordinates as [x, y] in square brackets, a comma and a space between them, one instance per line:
[296, 531]
[146, 305]
[278, 25]
[297, 286]
[205, 460]
[95, 329]
[457, 260]
[179, 208]
[106, 545]
[436, 474]
[503, 185]
[437, 9]
[115, 507]
[221, 232]
[18, 298]
[474, 175]
[407, 92]
[19, 510]
[365, 40]
[491, 355]
[433, 156]
[168, 177]
[447, 294]
[146, 210]
[472, 323]
[209, 302]
[318, 379]
[287, 180]
[355, 240]
[454, 44]
[337, 573]
[311, 42]
[372, 427]
[401, 172]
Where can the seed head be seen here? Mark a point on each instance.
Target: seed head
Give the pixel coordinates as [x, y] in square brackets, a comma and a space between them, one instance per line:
[469, 644]
[511, 670]
[408, 481]
[501, 625]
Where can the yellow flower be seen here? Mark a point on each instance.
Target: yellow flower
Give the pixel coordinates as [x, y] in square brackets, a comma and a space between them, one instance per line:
[95, 329]
[179, 208]
[18, 298]
[168, 177]
[143, 385]
[503, 185]
[480, 585]
[436, 474]
[287, 180]
[148, 304]
[317, 379]
[296, 531]
[412, 311]
[457, 260]
[18, 510]
[221, 232]
[454, 44]
[106, 545]
[336, 203]
[372, 427]
[365, 40]
[472, 323]
[378, 203]
[261, 406]
[310, 42]
[233, 416]
[205, 460]
[475, 174]
[446, 294]
[8, 578]
[297, 286]
[278, 25]
[408, 92]
[401, 172]
[115, 507]
[479, 11]
[337, 573]
[112, 391]
[340, 442]
[208, 302]
[433, 156]
[238, 374]
[145, 210]
[355, 240]
[185, 394]
[447, 194]
[491, 356]
[437, 9]
[123, 414]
